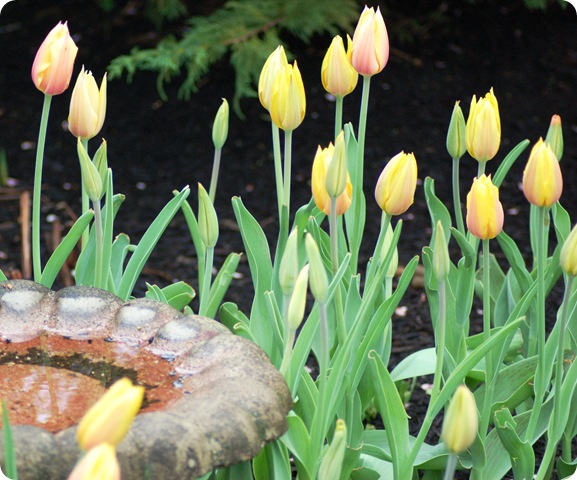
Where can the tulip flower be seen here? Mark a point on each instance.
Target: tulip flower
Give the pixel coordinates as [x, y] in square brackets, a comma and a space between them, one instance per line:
[321, 164]
[370, 49]
[288, 101]
[395, 190]
[461, 421]
[275, 62]
[542, 180]
[108, 420]
[220, 126]
[337, 73]
[484, 210]
[555, 136]
[87, 106]
[100, 463]
[483, 131]
[52, 67]
[456, 144]
[568, 258]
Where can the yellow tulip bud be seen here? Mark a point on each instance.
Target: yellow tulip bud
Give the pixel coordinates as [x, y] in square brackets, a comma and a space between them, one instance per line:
[87, 106]
[555, 136]
[461, 421]
[395, 190]
[298, 301]
[332, 462]
[289, 264]
[441, 260]
[100, 463]
[456, 143]
[483, 131]
[568, 258]
[207, 219]
[337, 73]
[275, 62]
[370, 43]
[91, 178]
[542, 180]
[52, 67]
[220, 126]
[288, 101]
[321, 164]
[318, 279]
[484, 210]
[108, 420]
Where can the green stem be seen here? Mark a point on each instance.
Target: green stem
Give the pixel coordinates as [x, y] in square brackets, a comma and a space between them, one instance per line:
[214, 176]
[334, 236]
[277, 166]
[209, 259]
[457, 196]
[451, 466]
[338, 115]
[440, 341]
[324, 362]
[481, 169]
[287, 354]
[99, 245]
[537, 328]
[85, 200]
[287, 185]
[36, 258]
[488, 399]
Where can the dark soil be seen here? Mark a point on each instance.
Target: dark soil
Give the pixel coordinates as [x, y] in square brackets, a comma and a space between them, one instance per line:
[457, 49]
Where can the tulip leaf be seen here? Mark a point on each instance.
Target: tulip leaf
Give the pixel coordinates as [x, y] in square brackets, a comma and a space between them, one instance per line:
[221, 283]
[521, 452]
[120, 248]
[195, 236]
[9, 447]
[508, 162]
[417, 364]
[437, 209]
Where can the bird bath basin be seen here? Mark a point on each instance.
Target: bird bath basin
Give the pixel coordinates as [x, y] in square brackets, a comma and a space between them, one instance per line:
[212, 398]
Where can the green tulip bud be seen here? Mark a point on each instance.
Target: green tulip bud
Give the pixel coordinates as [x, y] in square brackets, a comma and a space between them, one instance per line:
[456, 143]
[555, 137]
[318, 278]
[207, 219]
[220, 126]
[441, 260]
[296, 309]
[90, 176]
[332, 462]
[568, 257]
[289, 264]
[337, 173]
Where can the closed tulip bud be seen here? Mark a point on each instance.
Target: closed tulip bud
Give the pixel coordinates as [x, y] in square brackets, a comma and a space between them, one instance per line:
[207, 219]
[337, 173]
[220, 126]
[461, 421]
[337, 73]
[395, 190]
[555, 136]
[394, 263]
[542, 180]
[441, 260]
[568, 258]
[484, 210]
[91, 178]
[370, 43]
[483, 131]
[52, 67]
[456, 142]
[321, 164]
[275, 62]
[318, 279]
[87, 106]
[100, 463]
[298, 301]
[332, 462]
[101, 160]
[289, 264]
[108, 420]
[288, 101]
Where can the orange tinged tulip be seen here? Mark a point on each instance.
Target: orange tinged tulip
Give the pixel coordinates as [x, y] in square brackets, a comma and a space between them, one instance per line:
[483, 131]
[100, 463]
[395, 190]
[370, 43]
[109, 419]
[484, 210]
[323, 161]
[288, 101]
[542, 180]
[87, 106]
[337, 73]
[52, 67]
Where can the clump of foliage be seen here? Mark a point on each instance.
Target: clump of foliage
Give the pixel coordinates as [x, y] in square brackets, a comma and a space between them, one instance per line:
[247, 30]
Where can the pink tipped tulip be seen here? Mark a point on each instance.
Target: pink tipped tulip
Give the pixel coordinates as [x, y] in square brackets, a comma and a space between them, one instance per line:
[337, 73]
[542, 180]
[395, 190]
[87, 106]
[52, 67]
[370, 43]
[484, 210]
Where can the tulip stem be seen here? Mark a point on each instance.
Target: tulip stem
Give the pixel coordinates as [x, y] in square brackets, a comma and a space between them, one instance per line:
[36, 260]
[85, 200]
[440, 341]
[481, 169]
[450, 468]
[277, 166]
[214, 176]
[334, 236]
[488, 399]
[457, 196]
[206, 280]
[98, 277]
[338, 115]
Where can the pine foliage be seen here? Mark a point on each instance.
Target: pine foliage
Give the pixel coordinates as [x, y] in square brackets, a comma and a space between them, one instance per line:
[246, 31]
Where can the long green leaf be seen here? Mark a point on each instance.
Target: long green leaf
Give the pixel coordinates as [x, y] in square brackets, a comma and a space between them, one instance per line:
[508, 162]
[9, 447]
[221, 283]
